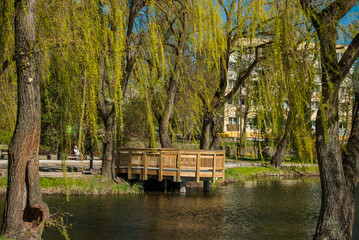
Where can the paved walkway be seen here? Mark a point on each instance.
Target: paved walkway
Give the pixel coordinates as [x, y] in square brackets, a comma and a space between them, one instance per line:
[53, 168]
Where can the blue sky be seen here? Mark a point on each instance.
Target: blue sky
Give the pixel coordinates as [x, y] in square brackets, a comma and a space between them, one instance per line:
[352, 15]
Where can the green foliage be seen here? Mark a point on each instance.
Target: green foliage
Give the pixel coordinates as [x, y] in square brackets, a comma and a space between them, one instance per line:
[248, 173]
[89, 185]
[59, 222]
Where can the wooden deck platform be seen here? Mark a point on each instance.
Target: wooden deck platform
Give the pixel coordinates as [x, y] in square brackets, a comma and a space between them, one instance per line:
[177, 164]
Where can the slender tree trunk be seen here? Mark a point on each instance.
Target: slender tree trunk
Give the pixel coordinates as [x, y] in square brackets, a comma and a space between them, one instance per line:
[281, 147]
[242, 138]
[164, 132]
[107, 113]
[82, 116]
[108, 145]
[25, 213]
[206, 130]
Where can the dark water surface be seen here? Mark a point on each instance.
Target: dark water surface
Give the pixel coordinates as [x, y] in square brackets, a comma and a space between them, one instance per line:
[263, 209]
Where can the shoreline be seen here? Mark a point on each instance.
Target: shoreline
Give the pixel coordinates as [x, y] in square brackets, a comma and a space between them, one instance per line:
[96, 185]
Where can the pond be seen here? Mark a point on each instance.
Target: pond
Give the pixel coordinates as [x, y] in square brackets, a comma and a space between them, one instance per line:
[263, 209]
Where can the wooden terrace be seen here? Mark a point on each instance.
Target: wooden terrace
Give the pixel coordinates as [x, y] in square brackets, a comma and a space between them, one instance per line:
[179, 165]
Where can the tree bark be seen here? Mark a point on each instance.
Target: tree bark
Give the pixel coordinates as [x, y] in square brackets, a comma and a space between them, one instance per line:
[164, 133]
[337, 173]
[206, 131]
[108, 145]
[281, 147]
[25, 213]
[107, 113]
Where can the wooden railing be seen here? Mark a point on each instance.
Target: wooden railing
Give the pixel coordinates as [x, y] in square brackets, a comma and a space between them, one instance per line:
[175, 163]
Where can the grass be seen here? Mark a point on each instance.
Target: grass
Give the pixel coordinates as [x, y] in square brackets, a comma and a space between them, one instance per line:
[248, 173]
[89, 185]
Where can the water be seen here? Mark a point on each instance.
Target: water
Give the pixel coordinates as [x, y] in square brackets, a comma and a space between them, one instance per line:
[264, 209]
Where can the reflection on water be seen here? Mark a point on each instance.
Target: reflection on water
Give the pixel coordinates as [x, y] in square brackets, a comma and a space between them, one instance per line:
[264, 209]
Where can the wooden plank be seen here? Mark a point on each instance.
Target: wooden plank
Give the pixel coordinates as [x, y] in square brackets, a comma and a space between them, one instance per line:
[198, 167]
[214, 169]
[160, 172]
[179, 166]
[129, 164]
[145, 163]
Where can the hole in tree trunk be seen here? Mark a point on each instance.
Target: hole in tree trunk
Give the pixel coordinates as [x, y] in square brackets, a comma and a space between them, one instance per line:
[33, 216]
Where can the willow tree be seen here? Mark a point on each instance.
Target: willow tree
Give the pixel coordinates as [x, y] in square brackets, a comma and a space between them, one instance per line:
[288, 66]
[338, 173]
[25, 214]
[168, 59]
[121, 31]
[243, 21]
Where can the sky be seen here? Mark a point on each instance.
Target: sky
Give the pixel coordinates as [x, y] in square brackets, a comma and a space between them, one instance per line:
[352, 15]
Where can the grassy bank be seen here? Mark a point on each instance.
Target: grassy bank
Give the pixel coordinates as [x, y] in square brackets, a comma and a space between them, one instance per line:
[249, 173]
[89, 185]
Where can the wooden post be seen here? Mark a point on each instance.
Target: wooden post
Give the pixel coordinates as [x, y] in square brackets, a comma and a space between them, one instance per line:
[214, 168]
[145, 163]
[223, 166]
[160, 176]
[179, 166]
[129, 173]
[198, 167]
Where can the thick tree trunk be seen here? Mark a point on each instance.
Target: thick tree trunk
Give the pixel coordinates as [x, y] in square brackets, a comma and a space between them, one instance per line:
[337, 173]
[281, 147]
[335, 220]
[206, 130]
[25, 213]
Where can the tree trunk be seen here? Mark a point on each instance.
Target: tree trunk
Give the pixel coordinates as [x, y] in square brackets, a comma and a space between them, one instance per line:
[107, 113]
[108, 145]
[281, 147]
[206, 130]
[82, 116]
[25, 213]
[335, 220]
[164, 133]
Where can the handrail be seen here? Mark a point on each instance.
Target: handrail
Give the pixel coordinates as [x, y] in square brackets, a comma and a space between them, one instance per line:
[169, 162]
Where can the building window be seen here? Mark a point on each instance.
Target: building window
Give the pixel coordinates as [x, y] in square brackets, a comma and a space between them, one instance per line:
[231, 83]
[243, 101]
[233, 120]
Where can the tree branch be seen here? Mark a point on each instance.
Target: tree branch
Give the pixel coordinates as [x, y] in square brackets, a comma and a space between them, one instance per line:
[337, 9]
[241, 78]
[349, 57]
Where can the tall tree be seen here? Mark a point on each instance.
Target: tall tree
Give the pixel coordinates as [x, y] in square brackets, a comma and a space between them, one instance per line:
[123, 55]
[25, 213]
[237, 24]
[338, 173]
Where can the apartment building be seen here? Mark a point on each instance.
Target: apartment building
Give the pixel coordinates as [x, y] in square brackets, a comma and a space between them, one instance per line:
[237, 112]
